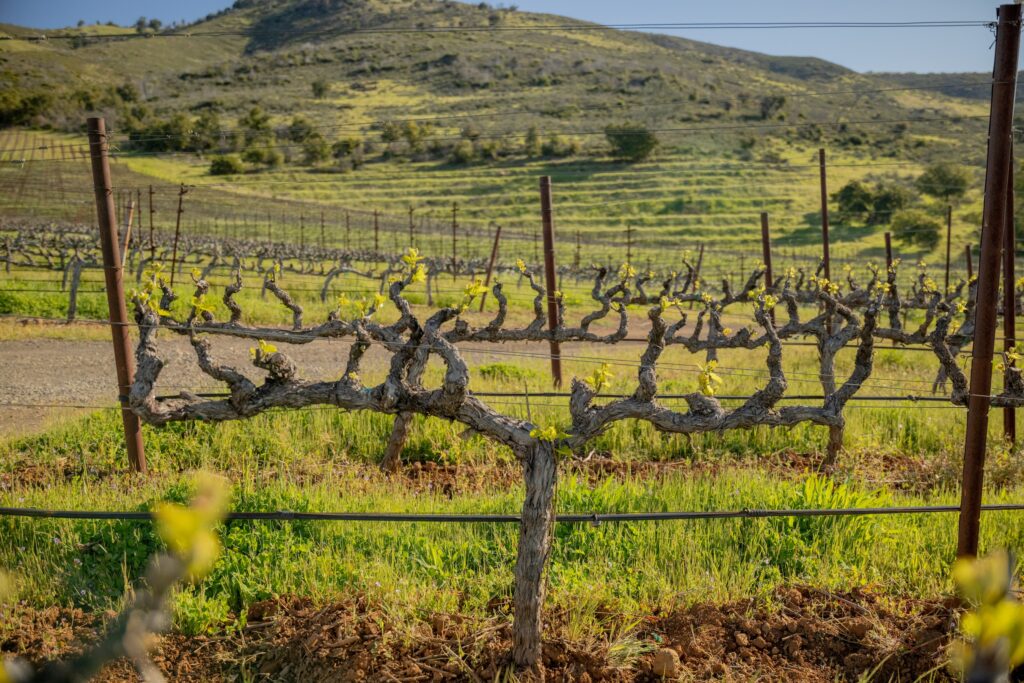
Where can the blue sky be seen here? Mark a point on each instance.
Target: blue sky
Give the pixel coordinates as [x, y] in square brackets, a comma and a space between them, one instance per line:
[909, 49]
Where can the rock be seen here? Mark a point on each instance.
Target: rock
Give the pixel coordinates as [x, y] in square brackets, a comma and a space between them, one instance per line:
[666, 663]
[857, 627]
[760, 643]
[742, 639]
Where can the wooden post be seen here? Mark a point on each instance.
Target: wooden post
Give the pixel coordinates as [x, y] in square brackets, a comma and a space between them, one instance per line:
[629, 243]
[490, 265]
[177, 232]
[348, 231]
[113, 273]
[302, 230]
[1004, 82]
[766, 253]
[949, 239]
[323, 237]
[970, 262]
[376, 232]
[1009, 298]
[888, 252]
[549, 275]
[576, 258]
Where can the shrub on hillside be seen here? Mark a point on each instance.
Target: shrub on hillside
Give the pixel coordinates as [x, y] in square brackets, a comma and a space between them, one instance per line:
[854, 201]
[874, 206]
[560, 146]
[631, 141]
[349, 151]
[226, 165]
[915, 227]
[315, 149]
[531, 143]
[463, 152]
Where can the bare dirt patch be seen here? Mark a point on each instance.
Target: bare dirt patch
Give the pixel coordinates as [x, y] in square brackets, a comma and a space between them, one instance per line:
[804, 635]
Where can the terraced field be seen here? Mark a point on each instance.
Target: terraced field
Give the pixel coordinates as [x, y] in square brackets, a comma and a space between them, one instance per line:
[653, 210]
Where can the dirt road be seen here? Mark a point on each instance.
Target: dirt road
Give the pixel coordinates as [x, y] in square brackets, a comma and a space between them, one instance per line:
[60, 378]
[46, 381]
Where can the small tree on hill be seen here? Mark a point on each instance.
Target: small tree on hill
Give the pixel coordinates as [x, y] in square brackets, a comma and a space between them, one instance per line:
[888, 199]
[631, 141]
[300, 129]
[349, 150]
[255, 125]
[315, 149]
[944, 181]
[320, 88]
[854, 200]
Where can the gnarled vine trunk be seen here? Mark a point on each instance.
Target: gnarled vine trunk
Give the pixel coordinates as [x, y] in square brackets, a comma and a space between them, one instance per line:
[399, 434]
[540, 472]
[835, 445]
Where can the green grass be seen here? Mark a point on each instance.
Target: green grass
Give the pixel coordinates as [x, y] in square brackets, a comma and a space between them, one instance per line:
[701, 187]
[420, 568]
[325, 460]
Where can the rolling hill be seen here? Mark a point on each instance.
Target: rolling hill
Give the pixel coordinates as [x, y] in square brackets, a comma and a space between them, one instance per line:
[738, 130]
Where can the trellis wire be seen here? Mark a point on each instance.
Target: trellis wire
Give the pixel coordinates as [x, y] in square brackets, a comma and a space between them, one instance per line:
[595, 518]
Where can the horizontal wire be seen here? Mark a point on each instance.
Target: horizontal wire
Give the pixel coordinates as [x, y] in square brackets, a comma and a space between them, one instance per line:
[563, 518]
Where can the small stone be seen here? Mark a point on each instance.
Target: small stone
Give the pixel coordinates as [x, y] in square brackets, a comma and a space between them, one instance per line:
[666, 663]
[760, 643]
[857, 627]
[742, 639]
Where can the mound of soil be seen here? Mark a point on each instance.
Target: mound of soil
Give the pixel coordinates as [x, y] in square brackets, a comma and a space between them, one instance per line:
[804, 635]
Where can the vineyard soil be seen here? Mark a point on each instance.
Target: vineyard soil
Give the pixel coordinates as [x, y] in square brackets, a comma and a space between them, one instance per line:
[798, 634]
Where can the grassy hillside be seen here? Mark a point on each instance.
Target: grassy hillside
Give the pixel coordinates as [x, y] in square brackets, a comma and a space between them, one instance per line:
[738, 130]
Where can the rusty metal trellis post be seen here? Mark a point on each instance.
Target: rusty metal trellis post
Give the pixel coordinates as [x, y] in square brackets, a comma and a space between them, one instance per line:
[490, 265]
[177, 233]
[455, 228]
[766, 254]
[549, 275]
[1009, 300]
[113, 277]
[949, 243]
[1004, 81]
[825, 251]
